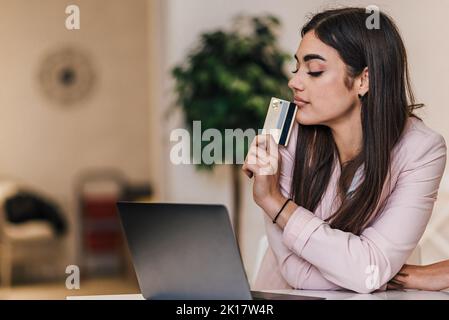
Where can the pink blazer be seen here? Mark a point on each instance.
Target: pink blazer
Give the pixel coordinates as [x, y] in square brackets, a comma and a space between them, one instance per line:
[309, 254]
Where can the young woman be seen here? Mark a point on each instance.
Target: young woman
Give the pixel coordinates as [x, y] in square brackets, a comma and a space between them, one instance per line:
[358, 180]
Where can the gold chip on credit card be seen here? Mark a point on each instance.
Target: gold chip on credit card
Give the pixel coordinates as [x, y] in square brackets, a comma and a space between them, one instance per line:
[279, 120]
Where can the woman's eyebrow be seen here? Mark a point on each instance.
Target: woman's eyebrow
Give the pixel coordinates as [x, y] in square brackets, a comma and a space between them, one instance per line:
[309, 57]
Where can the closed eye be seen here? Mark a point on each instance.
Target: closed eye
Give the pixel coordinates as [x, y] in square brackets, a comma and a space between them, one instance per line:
[315, 74]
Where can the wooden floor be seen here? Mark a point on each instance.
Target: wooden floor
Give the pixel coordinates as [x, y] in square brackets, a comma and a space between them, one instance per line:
[58, 290]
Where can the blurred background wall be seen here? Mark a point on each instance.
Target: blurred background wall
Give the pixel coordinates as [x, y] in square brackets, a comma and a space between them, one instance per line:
[47, 145]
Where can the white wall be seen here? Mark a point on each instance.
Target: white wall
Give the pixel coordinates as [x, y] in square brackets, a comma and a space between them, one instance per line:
[423, 28]
[45, 146]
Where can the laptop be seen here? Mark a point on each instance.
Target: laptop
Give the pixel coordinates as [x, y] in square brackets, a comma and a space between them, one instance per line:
[187, 252]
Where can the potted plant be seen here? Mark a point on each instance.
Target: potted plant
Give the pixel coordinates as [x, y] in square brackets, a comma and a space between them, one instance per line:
[227, 82]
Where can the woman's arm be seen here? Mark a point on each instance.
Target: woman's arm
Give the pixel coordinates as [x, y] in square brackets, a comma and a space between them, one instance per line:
[432, 277]
[297, 270]
[367, 262]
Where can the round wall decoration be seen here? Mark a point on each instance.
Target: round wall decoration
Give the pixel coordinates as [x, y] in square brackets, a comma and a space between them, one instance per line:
[66, 76]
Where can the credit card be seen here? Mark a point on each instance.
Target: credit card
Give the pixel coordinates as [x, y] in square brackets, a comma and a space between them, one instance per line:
[279, 120]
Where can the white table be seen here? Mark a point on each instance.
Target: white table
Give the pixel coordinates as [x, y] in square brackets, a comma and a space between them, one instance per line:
[329, 295]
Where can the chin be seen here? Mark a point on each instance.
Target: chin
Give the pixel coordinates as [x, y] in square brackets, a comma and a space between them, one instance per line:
[305, 119]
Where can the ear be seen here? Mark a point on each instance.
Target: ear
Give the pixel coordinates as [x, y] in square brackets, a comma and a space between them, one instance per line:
[363, 83]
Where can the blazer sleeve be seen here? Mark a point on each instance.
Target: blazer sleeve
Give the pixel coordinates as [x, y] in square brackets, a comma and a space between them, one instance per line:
[365, 263]
[296, 271]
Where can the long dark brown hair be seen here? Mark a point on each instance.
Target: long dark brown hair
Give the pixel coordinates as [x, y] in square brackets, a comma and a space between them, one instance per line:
[385, 110]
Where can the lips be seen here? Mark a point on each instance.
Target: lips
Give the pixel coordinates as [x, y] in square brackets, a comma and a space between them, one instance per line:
[299, 101]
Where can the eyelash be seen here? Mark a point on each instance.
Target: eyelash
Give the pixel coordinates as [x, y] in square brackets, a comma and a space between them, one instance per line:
[313, 74]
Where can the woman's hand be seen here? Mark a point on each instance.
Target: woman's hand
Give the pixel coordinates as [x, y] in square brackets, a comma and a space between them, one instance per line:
[434, 277]
[263, 163]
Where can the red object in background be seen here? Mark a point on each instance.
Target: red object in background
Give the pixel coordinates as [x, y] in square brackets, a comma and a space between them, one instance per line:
[102, 236]
[103, 242]
[99, 206]
[102, 246]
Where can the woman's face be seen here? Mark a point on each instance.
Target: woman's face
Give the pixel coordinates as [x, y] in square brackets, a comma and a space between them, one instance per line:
[319, 84]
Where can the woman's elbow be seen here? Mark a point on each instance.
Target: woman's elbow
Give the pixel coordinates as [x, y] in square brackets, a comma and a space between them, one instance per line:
[290, 275]
[365, 283]
[364, 290]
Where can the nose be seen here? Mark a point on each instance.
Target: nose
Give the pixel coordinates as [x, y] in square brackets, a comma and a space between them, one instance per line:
[295, 83]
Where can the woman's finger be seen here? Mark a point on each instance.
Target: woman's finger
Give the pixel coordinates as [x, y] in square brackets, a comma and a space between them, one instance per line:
[253, 168]
[401, 277]
[253, 143]
[261, 167]
[247, 172]
[272, 146]
[268, 165]
[398, 282]
[258, 156]
[393, 286]
[261, 141]
[251, 158]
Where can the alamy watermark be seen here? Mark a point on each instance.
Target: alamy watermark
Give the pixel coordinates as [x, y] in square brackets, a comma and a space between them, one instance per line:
[372, 281]
[72, 281]
[73, 21]
[211, 147]
[373, 20]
